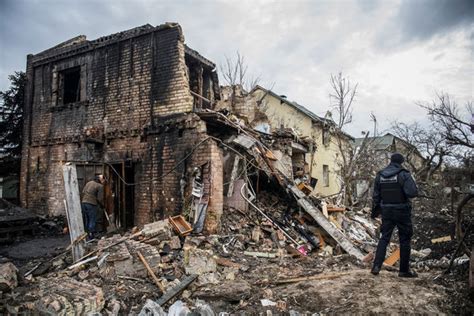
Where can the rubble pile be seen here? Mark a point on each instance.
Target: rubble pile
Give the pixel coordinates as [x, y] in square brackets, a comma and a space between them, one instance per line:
[273, 235]
[275, 242]
[241, 269]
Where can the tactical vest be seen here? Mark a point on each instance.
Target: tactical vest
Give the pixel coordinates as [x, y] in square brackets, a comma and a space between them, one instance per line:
[391, 190]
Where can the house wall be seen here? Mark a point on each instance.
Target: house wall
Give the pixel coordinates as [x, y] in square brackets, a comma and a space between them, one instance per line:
[134, 100]
[414, 159]
[282, 114]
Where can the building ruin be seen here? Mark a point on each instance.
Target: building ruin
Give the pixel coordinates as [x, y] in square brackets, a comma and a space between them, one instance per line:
[123, 105]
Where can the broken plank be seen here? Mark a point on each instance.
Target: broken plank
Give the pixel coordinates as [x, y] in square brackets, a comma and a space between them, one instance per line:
[73, 209]
[339, 237]
[111, 245]
[227, 263]
[177, 289]
[233, 175]
[80, 263]
[150, 271]
[393, 258]
[441, 239]
[324, 208]
[332, 208]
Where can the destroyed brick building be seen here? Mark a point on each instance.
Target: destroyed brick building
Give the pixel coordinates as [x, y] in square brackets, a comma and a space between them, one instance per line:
[122, 105]
[147, 111]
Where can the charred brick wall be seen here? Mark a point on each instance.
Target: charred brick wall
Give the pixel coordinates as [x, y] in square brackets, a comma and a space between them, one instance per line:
[177, 146]
[128, 81]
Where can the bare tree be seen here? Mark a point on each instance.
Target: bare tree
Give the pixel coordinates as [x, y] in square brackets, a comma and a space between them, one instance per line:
[342, 98]
[343, 95]
[425, 141]
[445, 114]
[234, 72]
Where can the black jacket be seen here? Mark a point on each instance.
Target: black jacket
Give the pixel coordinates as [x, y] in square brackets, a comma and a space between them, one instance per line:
[406, 181]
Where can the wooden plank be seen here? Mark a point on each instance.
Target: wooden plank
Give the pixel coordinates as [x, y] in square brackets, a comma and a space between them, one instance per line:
[233, 175]
[306, 189]
[324, 207]
[150, 271]
[333, 208]
[270, 155]
[441, 239]
[227, 263]
[73, 209]
[394, 257]
[339, 237]
[177, 289]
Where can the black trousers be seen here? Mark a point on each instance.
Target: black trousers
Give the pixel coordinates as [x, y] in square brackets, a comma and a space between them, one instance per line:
[391, 218]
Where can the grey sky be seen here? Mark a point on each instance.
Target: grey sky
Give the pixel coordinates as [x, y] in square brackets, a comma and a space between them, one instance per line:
[399, 52]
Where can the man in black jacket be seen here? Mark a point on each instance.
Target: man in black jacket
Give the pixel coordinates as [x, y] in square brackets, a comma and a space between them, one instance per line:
[393, 188]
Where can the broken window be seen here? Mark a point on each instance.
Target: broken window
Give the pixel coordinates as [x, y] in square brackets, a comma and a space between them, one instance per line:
[70, 85]
[326, 136]
[326, 175]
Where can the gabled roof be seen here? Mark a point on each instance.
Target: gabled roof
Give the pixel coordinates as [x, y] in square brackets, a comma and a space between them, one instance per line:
[295, 105]
[378, 142]
[315, 118]
[385, 141]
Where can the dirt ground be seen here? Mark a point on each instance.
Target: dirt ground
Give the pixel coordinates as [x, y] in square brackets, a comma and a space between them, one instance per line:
[348, 288]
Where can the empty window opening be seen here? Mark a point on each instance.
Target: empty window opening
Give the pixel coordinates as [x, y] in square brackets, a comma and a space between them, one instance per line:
[326, 175]
[71, 85]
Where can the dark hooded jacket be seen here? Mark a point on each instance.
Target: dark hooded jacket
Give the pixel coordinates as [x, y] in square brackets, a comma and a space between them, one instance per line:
[405, 181]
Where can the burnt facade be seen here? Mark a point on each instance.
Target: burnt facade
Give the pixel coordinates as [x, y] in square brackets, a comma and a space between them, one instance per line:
[123, 105]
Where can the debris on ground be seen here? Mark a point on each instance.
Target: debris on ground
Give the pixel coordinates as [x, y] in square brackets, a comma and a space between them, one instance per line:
[279, 249]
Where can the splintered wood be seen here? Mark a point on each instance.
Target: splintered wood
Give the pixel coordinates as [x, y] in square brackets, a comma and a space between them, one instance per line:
[340, 238]
[151, 273]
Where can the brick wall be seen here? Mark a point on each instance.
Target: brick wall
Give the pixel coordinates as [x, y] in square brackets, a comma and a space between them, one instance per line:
[177, 146]
[131, 85]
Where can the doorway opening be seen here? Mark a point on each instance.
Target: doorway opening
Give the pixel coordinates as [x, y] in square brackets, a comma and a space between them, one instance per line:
[121, 198]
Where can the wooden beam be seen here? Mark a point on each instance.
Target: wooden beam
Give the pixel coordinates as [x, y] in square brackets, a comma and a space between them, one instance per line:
[324, 223]
[73, 210]
[150, 271]
[177, 289]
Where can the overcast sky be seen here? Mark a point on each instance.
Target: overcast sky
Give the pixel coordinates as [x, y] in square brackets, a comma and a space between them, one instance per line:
[399, 52]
